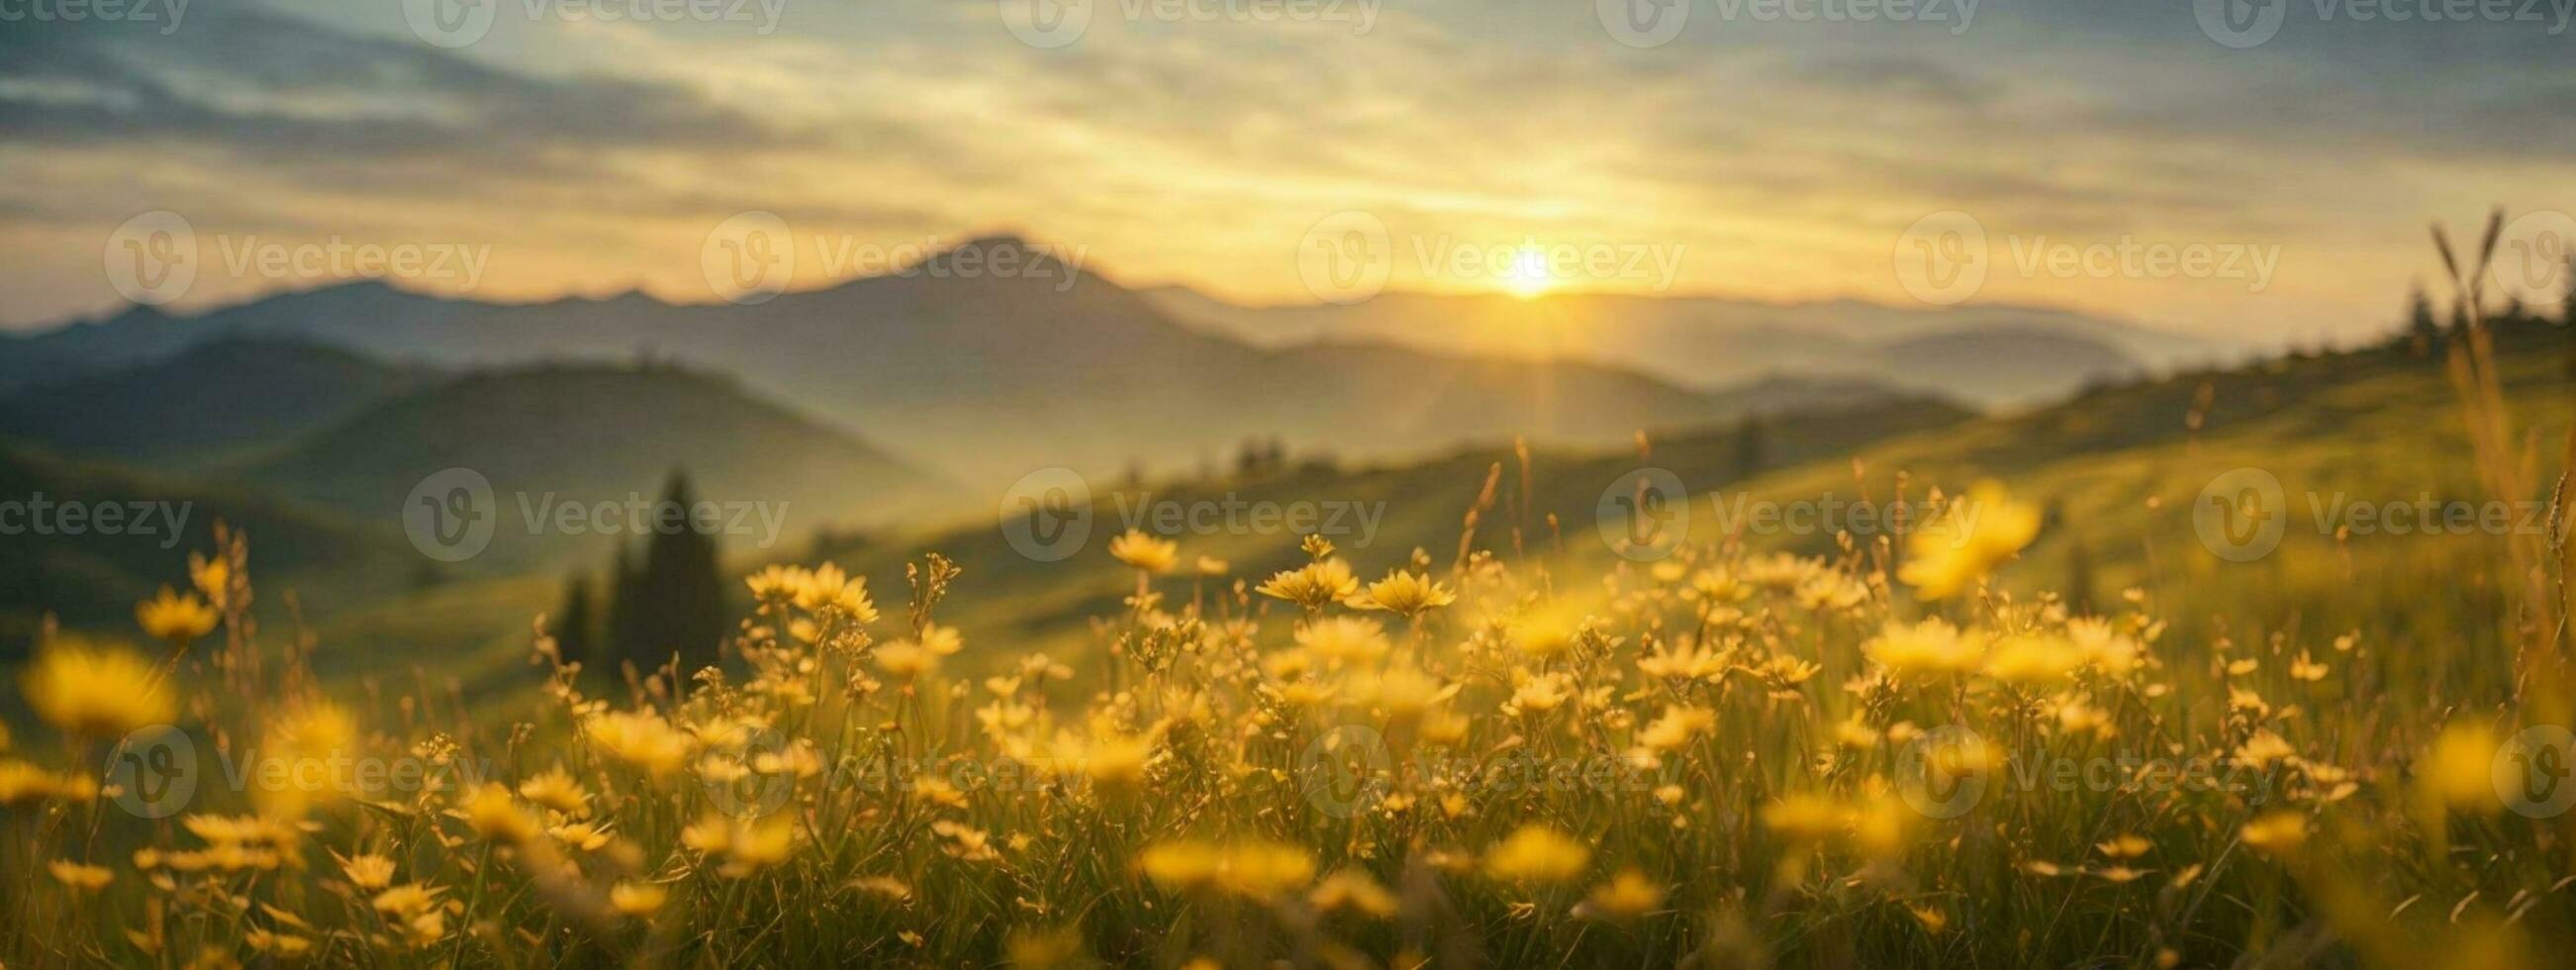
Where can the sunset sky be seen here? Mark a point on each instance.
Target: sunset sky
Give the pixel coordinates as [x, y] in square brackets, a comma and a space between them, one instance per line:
[1756, 156]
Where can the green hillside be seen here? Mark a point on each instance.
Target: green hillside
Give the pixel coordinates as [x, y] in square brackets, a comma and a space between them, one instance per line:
[561, 439]
[214, 401]
[93, 577]
[2118, 467]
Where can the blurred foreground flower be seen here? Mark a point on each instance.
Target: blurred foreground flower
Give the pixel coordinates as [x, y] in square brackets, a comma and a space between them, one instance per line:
[1969, 540]
[96, 691]
[175, 617]
[1537, 853]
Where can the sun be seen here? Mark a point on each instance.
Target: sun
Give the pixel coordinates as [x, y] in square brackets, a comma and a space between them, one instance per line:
[1528, 276]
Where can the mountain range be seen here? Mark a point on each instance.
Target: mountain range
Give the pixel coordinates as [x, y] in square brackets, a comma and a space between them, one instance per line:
[984, 378]
[1981, 354]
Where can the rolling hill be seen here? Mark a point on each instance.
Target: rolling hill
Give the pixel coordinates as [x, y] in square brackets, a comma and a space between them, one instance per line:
[92, 577]
[552, 438]
[204, 404]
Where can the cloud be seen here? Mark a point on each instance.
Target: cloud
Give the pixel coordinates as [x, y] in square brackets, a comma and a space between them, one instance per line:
[277, 88]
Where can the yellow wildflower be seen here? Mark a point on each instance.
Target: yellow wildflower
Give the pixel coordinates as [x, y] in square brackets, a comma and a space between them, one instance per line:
[2278, 834]
[101, 691]
[1804, 817]
[81, 877]
[905, 660]
[1676, 727]
[494, 815]
[1627, 895]
[2032, 659]
[555, 788]
[369, 871]
[641, 739]
[408, 899]
[1344, 640]
[1537, 854]
[1927, 648]
[1264, 870]
[1353, 890]
[1971, 538]
[638, 898]
[1314, 585]
[174, 616]
[1410, 594]
[2459, 768]
[1145, 552]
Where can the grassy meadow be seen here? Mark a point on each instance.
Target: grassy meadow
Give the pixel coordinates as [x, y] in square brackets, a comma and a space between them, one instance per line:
[2046, 726]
